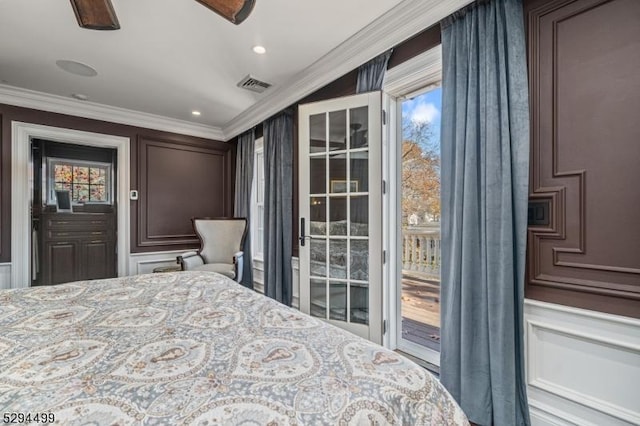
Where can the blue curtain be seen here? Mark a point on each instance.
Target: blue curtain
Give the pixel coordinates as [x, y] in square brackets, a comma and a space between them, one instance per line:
[278, 206]
[371, 74]
[485, 172]
[242, 201]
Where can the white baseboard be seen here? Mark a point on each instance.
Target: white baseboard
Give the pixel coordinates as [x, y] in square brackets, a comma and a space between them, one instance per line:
[5, 275]
[583, 367]
[144, 263]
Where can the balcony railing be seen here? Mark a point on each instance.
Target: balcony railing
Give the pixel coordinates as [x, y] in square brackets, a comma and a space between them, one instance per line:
[421, 249]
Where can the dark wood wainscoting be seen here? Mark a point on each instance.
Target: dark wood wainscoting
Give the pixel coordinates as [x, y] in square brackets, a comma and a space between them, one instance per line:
[584, 58]
[177, 182]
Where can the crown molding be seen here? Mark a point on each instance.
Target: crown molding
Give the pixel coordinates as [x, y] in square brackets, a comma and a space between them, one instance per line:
[403, 21]
[25, 98]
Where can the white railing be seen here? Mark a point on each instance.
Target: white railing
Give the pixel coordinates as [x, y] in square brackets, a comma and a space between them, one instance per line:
[421, 249]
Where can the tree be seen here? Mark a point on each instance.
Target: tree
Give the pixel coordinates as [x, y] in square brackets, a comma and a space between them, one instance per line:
[420, 172]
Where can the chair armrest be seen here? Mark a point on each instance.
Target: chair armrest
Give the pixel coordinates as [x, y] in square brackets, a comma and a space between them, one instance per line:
[189, 260]
[238, 263]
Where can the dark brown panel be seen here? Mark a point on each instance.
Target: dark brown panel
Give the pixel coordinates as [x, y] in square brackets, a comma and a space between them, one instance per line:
[98, 259]
[412, 47]
[584, 58]
[178, 182]
[63, 266]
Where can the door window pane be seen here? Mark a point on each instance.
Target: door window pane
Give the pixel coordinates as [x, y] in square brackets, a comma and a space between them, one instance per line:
[359, 171]
[318, 175]
[360, 260]
[359, 310]
[338, 259]
[81, 193]
[318, 248]
[338, 173]
[97, 176]
[318, 133]
[337, 301]
[359, 127]
[318, 212]
[338, 216]
[360, 216]
[63, 173]
[63, 186]
[81, 174]
[318, 298]
[337, 130]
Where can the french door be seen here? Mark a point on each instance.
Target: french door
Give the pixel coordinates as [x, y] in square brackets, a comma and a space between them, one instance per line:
[340, 187]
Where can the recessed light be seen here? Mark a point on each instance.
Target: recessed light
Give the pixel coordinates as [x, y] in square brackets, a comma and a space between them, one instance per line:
[76, 68]
[260, 50]
[196, 113]
[79, 96]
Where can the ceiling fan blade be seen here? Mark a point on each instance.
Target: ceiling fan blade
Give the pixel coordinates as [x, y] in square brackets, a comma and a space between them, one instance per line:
[235, 11]
[95, 14]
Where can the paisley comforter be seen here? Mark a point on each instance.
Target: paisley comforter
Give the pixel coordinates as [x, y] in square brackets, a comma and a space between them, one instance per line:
[197, 348]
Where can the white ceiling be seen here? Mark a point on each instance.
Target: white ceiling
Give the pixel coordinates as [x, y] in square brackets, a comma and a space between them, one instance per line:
[171, 57]
[174, 56]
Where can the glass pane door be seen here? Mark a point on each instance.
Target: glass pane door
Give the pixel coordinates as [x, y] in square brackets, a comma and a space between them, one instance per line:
[419, 226]
[339, 158]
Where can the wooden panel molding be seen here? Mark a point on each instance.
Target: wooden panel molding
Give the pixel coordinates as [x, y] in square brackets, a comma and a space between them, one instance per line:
[584, 149]
[563, 345]
[176, 182]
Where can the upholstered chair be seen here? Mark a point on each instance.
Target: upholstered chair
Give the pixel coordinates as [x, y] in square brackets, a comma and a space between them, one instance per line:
[221, 242]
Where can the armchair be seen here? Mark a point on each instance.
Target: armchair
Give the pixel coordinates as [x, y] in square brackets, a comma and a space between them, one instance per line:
[221, 242]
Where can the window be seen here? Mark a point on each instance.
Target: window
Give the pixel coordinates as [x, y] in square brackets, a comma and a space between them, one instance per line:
[86, 181]
[257, 202]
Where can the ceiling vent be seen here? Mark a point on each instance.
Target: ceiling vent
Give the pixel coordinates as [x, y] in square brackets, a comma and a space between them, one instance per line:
[253, 84]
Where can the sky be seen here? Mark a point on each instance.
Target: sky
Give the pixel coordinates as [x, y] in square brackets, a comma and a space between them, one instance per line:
[425, 107]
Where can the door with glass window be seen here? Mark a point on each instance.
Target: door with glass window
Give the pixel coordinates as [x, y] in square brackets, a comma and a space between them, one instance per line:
[340, 187]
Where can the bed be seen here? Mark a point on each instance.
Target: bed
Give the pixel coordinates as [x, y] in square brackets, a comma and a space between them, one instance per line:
[197, 348]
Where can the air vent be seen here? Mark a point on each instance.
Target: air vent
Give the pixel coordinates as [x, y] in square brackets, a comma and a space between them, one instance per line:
[253, 84]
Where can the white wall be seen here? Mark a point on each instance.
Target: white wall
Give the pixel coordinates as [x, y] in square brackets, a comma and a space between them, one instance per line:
[583, 367]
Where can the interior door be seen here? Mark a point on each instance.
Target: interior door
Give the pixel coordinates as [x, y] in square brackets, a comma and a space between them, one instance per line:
[340, 187]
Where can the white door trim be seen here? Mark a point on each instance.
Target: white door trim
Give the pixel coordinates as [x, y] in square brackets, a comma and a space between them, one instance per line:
[21, 135]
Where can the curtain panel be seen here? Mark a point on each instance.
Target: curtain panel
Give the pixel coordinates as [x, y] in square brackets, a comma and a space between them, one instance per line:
[485, 172]
[242, 201]
[278, 206]
[371, 74]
